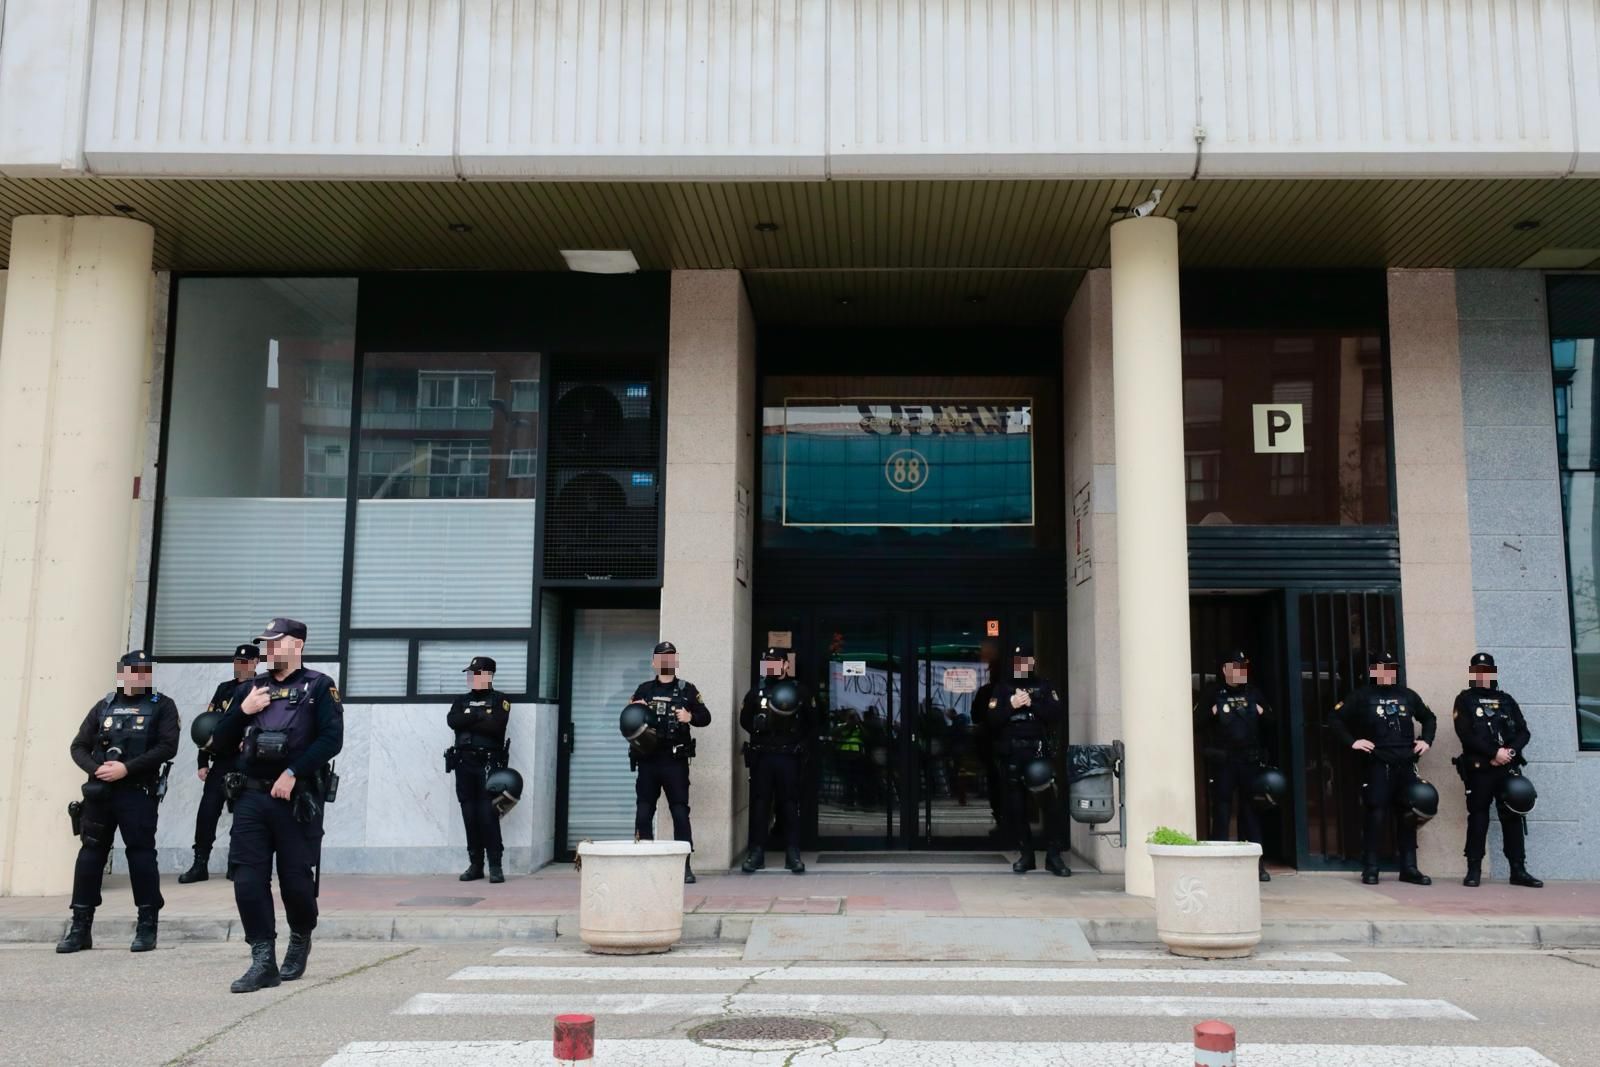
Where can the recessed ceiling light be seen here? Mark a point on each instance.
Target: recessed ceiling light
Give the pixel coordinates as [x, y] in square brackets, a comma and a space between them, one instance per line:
[1121, 209]
[843, 301]
[461, 227]
[767, 227]
[1187, 209]
[976, 298]
[125, 209]
[601, 261]
[1525, 225]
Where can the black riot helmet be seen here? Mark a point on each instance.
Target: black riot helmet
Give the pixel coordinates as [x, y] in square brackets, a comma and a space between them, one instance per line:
[1422, 801]
[505, 788]
[95, 789]
[1038, 775]
[1269, 789]
[1518, 794]
[784, 698]
[636, 728]
[204, 725]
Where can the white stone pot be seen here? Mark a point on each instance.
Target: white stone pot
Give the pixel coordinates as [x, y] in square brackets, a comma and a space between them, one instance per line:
[631, 895]
[1208, 898]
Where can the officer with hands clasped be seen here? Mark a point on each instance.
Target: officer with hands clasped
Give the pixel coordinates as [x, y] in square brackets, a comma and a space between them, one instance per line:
[1493, 737]
[215, 766]
[125, 745]
[1381, 720]
[776, 715]
[479, 719]
[286, 726]
[673, 706]
[1024, 713]
[1228, 719]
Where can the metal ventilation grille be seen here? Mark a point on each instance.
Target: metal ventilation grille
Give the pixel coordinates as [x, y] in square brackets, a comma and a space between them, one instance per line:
[603, 519]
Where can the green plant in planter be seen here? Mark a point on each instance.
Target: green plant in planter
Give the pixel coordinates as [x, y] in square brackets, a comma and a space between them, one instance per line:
[1166, 835]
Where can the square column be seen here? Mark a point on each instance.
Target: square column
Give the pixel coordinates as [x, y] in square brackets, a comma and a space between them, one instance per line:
[705, 590]
[1152, 537]
[73, 352]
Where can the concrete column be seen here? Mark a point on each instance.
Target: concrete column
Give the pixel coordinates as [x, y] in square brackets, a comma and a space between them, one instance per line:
[705, 591]
[73, 350]
[1152, 536]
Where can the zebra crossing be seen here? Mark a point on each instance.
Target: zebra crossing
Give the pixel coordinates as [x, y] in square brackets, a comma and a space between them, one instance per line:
[703, 993]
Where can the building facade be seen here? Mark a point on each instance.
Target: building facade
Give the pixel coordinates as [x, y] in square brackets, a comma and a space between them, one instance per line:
[889, 333]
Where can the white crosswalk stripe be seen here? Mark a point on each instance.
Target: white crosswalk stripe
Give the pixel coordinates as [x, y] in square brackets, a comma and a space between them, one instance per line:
[966, 975]
[682, 952]
[1269, 956]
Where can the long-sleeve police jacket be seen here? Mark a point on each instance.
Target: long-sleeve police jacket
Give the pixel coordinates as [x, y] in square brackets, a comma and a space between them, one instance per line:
[1488, 720]
[1229, 719]
[1386, 715]
[480, 718]
[153, 715]
[221, 700]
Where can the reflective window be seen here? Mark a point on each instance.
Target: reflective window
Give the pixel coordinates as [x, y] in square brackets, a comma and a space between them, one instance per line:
[1574, 333]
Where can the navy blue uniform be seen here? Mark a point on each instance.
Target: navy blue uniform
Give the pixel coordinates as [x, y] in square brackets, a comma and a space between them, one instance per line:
[144, 729]
[1022, 735]
[1228, 720]
[666, 770]
[299, 731]
[776, 754]
[479, 720]
[1388, 716]
[1488, 720]
[217, 764]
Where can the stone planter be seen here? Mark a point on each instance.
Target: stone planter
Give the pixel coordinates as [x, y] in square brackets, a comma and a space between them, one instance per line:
[1208, 898]
[631, 895]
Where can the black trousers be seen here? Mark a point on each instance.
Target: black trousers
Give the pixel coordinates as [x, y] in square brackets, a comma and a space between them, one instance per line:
[1049, 801]
[211, 802]
[131, 812]
[264, 827]
[775, 785]
[482, 822]
[1483, 789]
[1234, 776]
[1384, 796]
[658, 774]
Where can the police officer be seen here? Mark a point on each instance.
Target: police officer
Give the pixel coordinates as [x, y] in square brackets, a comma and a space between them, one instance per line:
[1024, 713]
[286, 725]
[479, 719]
[1493, 737]
[675, 706]
[774, 755]
[994, 658]
[215, 767]
[1380, 720]
[123, 744]
[1228, 719]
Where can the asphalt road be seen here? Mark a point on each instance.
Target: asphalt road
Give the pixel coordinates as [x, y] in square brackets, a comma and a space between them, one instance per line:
[172, 1006]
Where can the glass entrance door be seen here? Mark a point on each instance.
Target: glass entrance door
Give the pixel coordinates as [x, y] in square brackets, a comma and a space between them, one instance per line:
[959, 804]
[856, 670]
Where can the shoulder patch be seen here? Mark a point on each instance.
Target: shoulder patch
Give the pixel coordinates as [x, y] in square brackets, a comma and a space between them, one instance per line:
[506, 705]
[1339, 705]
[333, 691]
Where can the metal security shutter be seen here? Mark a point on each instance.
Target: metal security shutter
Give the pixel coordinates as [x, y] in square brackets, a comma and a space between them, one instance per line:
[603, 520]
[610, 657]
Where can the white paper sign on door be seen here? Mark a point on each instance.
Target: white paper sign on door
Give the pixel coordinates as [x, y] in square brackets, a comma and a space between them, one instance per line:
[855, 668]
[960, 680]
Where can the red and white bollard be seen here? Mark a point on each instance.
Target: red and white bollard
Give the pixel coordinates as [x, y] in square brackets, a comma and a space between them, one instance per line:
[575, 1039]
[1213, 1044]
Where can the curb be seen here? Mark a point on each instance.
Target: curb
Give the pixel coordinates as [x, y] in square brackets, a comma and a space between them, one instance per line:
[735, 929]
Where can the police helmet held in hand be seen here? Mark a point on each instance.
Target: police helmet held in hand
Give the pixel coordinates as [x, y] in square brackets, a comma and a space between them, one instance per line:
[776, 715]
[479, 719]
[214, 765]
[671, 706]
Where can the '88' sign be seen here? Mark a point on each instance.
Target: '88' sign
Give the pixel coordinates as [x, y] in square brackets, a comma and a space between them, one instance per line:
[906, 470]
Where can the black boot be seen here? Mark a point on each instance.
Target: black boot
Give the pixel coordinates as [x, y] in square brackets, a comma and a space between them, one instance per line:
[754, 860]
[1474, 876]
[1055, 864]
[295, 956]
[1025, 863]
[688, 873]
[1408, 869]
[263, 972]
[496, 874]
[144, 934]
[1520, 876]
[197, 871]
[80, 935]
[792, 860]
[1261, 872]
[1369, 870]
[474, 871]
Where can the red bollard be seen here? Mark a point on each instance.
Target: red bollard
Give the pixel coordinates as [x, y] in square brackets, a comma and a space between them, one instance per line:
[574, 1038]
[1213, 1044]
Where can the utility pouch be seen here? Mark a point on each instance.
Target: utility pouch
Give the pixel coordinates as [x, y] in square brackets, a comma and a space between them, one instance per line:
[159, 790]
[686, 749]
[272, 745]
[306, 806]
[75, 814]
[748, 762]
[232, 786]
[452, 759]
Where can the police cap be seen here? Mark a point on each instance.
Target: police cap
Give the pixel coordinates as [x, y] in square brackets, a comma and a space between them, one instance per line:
[665, 648]
[775, 654]
[1236, 655]
[283, 628]
[479, 663]
[1383, 658]
[1482, 661]
[249, 652]
[138, 659]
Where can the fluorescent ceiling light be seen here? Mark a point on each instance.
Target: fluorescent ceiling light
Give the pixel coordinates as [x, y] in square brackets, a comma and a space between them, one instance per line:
[601, 261]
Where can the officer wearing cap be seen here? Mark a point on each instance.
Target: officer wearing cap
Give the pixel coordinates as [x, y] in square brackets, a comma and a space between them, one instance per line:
[675, 706]
[1494, 736]
[286, 726]
[124, 745]
[777, 716]
[1381, 720]
[1228, 720]
[215, 766]
[1024, 715]
[479, 719]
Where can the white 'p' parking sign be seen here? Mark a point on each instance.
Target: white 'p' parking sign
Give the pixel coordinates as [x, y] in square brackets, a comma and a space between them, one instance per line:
[1279, 428]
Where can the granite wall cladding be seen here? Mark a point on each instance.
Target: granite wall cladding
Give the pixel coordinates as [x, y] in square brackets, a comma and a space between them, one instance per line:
[397, 810]
[1519, 577]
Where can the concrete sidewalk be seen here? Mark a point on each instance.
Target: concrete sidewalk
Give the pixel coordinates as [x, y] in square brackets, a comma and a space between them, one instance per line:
[1298, 908]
